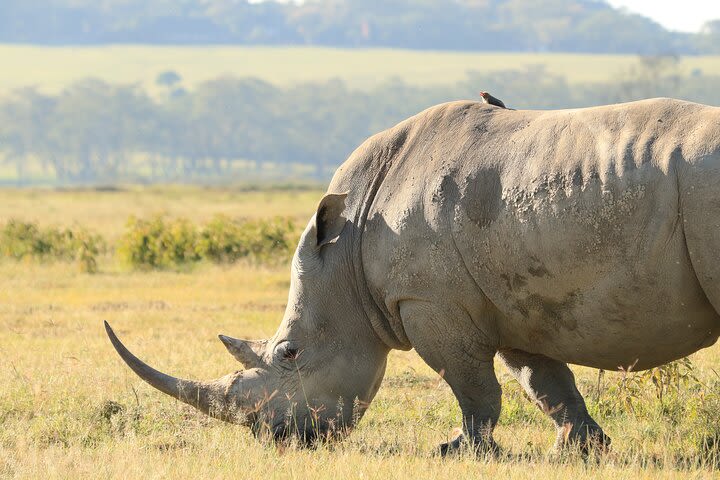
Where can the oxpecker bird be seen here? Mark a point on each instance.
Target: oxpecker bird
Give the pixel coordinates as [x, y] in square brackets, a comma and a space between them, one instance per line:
[489, 99]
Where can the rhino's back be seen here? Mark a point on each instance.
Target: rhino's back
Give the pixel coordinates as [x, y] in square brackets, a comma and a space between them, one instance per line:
[568, 223]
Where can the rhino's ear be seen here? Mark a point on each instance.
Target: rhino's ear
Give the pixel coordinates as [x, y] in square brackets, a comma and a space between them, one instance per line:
[329, 220]
[247, 352]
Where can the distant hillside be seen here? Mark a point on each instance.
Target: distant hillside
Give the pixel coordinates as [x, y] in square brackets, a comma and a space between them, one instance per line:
[590, 26]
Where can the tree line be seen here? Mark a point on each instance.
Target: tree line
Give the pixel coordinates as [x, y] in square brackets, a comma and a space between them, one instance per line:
[227, 129]
[591, 26]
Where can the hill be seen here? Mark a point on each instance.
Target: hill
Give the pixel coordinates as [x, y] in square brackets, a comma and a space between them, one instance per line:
[588, 26]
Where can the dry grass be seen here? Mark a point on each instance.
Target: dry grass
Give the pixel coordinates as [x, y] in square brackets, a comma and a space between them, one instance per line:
[53, 68]
[59, 375]
[106, 212]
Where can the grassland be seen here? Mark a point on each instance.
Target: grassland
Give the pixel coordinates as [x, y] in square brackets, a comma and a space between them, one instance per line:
[106, 212]
[70, 409]
[52, 68]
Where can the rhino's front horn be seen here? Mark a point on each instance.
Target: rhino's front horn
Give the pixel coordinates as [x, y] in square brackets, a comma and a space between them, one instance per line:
[208, 397]
[246, 352]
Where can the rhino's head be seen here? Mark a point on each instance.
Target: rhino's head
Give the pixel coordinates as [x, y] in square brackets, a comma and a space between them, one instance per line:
[322, 368]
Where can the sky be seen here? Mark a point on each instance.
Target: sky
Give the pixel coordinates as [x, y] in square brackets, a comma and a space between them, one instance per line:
[684, 16]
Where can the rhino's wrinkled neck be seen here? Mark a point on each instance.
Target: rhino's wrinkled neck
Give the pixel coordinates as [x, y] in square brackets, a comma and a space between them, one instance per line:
[392, 336]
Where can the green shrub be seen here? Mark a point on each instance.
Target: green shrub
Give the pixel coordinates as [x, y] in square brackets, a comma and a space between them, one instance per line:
[261, 240]
[223, 241]
[158, 243]
[86, 253]
[165, 243]
[22, 240]
[657, 391]
[155, 243]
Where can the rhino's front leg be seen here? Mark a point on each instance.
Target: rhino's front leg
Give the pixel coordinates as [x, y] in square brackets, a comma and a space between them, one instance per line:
[478, 392]
[464, 362]
[551, 385]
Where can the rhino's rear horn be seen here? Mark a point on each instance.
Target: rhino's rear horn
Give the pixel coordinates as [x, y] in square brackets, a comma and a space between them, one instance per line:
[247, 352]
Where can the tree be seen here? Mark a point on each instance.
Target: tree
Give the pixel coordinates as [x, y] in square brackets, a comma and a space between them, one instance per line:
[708, 39]
[93, 132]
[168, 79]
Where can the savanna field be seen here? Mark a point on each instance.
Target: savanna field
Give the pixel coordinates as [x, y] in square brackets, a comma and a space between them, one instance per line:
[69, 408]
[54, 68]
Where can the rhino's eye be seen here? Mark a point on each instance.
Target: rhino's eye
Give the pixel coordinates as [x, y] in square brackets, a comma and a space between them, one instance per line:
[290, 354]
[286, 352]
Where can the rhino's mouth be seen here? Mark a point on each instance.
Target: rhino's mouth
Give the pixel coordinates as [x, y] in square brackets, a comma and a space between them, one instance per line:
[285, 429]
[282, 432]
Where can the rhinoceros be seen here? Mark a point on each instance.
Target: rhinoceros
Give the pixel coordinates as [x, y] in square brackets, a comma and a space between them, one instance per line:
[468, 232]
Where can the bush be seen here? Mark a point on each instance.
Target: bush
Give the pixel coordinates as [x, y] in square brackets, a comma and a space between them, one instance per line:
[164, 243]
[657, 391]
[225, 241]
[21, 240]
[158, 243]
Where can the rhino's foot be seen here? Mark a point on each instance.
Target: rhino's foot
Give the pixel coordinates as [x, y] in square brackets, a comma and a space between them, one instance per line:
[453, 446]
[587, 436]
[480, 447]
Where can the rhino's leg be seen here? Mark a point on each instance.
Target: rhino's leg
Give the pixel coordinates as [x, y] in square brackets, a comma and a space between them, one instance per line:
[479, 396]
[464, 362]
[551, 385]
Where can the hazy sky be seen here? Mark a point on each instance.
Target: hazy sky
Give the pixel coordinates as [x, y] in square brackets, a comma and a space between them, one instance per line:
[685, 15]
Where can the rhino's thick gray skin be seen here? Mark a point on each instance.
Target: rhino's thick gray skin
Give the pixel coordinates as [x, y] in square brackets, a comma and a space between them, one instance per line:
[584, 236]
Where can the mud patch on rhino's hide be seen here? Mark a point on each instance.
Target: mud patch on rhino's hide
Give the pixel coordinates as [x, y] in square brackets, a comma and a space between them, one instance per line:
[517, 282]
[539, 309]
[482, 198]
[537, 269]
[447, 190]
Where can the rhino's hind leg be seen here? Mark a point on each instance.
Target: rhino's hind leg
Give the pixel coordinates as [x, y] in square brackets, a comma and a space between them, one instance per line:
[551, 385]
[464, 363]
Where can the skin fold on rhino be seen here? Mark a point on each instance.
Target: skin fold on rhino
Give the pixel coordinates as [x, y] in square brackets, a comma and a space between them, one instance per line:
[467, 232]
